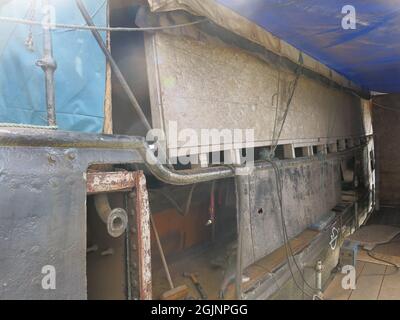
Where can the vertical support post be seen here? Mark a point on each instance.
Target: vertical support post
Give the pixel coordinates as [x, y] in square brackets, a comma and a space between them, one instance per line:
[242, 184]
[322, 149]
[377, 173]
[143, 237]
[332, 147]
[341, 144]
[108, 118]
[307, 151]
[288, 151]
[49, 65]
[349, 143]
[356, 213]
[318, 274]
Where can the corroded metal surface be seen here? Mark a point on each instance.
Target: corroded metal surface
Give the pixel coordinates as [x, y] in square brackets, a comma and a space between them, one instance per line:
[43, 209]
[310, 190]
[207, 70]
[143, 237]
[137, 147]
[98, 182]
[139, 245]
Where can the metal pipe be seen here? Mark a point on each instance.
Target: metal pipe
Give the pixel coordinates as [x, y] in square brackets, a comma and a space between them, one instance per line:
[116, 219]
[182, 177]
[318, 277]
[63, 139]
[48, 65]
[113, 65]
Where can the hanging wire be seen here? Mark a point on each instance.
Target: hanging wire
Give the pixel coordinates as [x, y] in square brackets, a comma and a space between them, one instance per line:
[93, 15]
[292, 87]
[289, 250]
[279, 183]
[86, 27]
[29, 40]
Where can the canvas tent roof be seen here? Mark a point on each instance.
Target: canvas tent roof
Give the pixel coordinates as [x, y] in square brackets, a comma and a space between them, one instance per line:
[368, 56]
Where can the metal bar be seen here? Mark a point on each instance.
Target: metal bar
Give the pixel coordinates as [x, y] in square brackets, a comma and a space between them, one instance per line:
[143, 237]
[49, 65]
[113, 65]
[23, 137]
[100, 182]
[164, 261]
[58, 139]
[243, 209]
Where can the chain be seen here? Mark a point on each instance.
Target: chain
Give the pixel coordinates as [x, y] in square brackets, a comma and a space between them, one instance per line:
[31, 15]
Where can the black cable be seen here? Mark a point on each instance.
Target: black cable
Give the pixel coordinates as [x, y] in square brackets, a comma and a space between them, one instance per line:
[182, 212]
[289, 250]
[279, 185]
[293, 84]
[369, 253]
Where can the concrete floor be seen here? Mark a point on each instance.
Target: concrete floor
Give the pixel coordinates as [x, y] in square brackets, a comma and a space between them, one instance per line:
[375, 279]
[374, 282]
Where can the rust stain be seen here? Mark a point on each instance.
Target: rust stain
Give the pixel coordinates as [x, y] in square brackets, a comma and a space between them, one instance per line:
[98, 182]
[143, 234]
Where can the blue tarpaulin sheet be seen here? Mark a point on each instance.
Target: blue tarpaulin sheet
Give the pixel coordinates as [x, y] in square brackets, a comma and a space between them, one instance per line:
[80, 74]
[368, 55]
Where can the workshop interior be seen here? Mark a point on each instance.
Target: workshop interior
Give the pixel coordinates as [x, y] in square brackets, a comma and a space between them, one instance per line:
[199, 150]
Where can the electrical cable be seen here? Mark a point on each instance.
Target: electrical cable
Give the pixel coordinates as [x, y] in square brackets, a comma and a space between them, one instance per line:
[189, 200]
[93, 15]
[11, 34]
[279, 184]
[293, 84]
[182, 212]
[170, 199]
[87, 27]
[289, 250]
[369, 253]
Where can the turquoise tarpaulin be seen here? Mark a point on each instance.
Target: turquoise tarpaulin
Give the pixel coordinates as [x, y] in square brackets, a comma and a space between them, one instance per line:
[80, 74]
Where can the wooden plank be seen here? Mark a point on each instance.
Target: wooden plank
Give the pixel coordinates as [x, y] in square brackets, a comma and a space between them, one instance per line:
[273, 261]
[277, 258]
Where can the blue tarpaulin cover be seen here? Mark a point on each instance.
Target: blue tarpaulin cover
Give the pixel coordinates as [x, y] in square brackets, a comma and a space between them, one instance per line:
[368, 55]
[80, 74]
